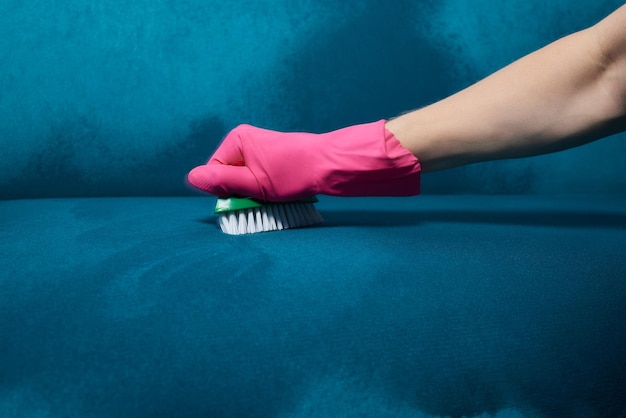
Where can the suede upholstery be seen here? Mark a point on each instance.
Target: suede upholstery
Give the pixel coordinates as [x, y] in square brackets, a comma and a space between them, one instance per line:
[417, 307]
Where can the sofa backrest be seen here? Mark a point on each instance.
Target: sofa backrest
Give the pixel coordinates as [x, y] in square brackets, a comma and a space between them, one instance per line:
[116, 98]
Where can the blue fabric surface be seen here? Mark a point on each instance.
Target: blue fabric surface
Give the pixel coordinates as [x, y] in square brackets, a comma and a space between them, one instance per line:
[422, 307]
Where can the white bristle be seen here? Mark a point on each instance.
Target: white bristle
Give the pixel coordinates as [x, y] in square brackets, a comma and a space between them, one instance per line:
[308, 218]
[265, 220]
[289, 216]
[281, 214]
[258, 218]
[304, 218]
[269, 218]
[297, 213]
[229, 222]
[250, 228]
[241, 222]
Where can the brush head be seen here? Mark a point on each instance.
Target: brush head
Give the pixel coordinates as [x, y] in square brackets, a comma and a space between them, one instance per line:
[237, 216]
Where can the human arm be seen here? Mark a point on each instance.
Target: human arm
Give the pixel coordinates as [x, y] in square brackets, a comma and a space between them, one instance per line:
[566, 94]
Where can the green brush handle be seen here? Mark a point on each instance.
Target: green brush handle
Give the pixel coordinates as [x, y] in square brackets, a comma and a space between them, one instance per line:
[229, 204]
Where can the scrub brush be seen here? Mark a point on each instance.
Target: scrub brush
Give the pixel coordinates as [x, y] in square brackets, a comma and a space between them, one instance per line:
[237, 216]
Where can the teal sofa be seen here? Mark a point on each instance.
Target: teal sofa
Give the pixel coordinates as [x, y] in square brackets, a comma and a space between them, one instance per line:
[499, 292]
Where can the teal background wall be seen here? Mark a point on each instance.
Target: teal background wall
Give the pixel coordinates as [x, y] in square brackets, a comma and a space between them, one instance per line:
[105, 97]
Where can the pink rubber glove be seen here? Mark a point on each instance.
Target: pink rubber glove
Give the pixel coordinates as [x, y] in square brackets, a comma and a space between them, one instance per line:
[361, 160]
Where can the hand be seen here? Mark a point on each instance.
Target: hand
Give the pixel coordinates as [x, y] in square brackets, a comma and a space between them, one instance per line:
[361, 160]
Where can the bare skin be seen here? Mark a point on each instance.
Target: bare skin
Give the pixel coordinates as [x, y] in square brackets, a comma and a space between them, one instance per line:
[571, 92]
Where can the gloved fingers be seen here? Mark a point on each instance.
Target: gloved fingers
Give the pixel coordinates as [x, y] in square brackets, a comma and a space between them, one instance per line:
[225, 180]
